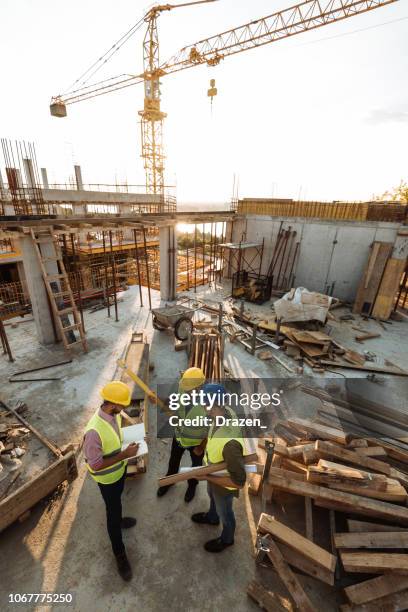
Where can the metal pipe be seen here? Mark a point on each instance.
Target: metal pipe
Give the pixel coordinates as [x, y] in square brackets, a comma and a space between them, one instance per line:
[115, 298]
[138, 267]
[147, 267]
[106, 274]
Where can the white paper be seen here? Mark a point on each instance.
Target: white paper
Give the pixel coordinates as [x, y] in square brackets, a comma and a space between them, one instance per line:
[135, 433]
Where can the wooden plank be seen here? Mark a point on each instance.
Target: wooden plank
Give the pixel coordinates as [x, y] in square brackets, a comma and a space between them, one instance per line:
[354, 504]
[372, 451]
[316, 554]
[393, 493]
[201, 471]
[296, 452]
[367, 336]
[267, 600]
[363, 526]
[305, 565]
[320, 431]
[391, 279]
[327, 449]
[33, 491]
[371, 278]
[377, 587]
[372, 539]
[396, 602]
[289, 579]
[374, 563]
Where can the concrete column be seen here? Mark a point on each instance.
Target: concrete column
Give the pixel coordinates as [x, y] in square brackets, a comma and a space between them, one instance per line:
[168, 262]
[44, 177]
[29, 173]
[78, 178]
[36, 286]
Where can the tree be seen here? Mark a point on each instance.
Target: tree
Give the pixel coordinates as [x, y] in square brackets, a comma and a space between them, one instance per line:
[398, 194]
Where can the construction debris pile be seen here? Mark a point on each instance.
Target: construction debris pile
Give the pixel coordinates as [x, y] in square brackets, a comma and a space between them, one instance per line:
[362, 482]
[13, 446]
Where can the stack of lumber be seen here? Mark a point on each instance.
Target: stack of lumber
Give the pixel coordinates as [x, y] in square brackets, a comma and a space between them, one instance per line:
[206, 352]
[365, 491]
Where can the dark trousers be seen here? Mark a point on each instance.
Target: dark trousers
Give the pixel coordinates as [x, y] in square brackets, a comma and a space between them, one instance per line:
[221, 508]
[112, 494]
[176, 454]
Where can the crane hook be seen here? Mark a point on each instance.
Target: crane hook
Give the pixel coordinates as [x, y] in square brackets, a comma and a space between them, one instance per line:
[212, 91]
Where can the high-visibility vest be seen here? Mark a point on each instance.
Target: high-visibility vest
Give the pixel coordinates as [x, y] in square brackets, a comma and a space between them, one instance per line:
[111, 445]
[188, 435]
[218, 439]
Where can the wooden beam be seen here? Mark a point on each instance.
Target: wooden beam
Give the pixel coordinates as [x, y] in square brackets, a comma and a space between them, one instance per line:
[289, 579]
[372, 589]
[303, 546]
[327, 449]
[372, 540]
[355, 526]
[267, 600]
[348, 502]
[396, 602]
[304, 565]
[201, 471]
[374, 563]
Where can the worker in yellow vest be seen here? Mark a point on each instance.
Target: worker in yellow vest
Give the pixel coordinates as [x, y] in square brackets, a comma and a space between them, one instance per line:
[107, 463]
[224, 443]
[188, 438]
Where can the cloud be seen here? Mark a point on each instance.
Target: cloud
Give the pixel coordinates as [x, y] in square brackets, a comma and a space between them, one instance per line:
[383, 115]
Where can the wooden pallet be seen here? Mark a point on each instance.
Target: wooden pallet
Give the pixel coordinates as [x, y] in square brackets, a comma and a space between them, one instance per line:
[61, 299]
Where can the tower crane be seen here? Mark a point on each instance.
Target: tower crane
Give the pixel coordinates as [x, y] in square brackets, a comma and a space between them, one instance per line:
[307, 15]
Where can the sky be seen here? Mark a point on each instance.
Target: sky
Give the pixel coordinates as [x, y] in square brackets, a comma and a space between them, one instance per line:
[322, 115]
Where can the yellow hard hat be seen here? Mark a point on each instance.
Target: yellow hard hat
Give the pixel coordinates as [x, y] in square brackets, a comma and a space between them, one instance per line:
[191, 379]
[116, 392]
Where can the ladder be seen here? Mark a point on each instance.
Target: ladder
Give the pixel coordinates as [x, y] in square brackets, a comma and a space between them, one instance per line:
[59, 292]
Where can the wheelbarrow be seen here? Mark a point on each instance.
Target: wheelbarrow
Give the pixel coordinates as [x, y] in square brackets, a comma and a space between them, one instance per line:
[179, 318]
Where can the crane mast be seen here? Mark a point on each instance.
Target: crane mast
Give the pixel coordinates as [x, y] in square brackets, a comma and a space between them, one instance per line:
[152, 115]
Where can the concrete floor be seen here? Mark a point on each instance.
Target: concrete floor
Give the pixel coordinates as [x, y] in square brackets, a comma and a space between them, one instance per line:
[63, 545]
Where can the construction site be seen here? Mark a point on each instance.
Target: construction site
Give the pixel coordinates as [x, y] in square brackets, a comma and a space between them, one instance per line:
[300, 299]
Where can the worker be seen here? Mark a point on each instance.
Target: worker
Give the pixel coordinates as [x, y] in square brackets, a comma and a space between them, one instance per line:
[107, 464]
[224, 443]
[188, 438]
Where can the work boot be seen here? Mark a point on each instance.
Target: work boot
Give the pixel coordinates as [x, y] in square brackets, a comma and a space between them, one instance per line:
[124, 568]
[191, 489]
[127, 522]
[163, 490]
[202, 519]
[217, 545]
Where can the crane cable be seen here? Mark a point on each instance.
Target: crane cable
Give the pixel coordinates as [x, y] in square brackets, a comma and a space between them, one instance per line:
[99, 63]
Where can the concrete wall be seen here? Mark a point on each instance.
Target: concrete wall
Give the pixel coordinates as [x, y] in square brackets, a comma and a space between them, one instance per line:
[331, 253]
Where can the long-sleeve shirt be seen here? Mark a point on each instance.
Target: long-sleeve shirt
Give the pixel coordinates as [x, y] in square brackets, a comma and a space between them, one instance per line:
[93, 443]
[234, 458]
